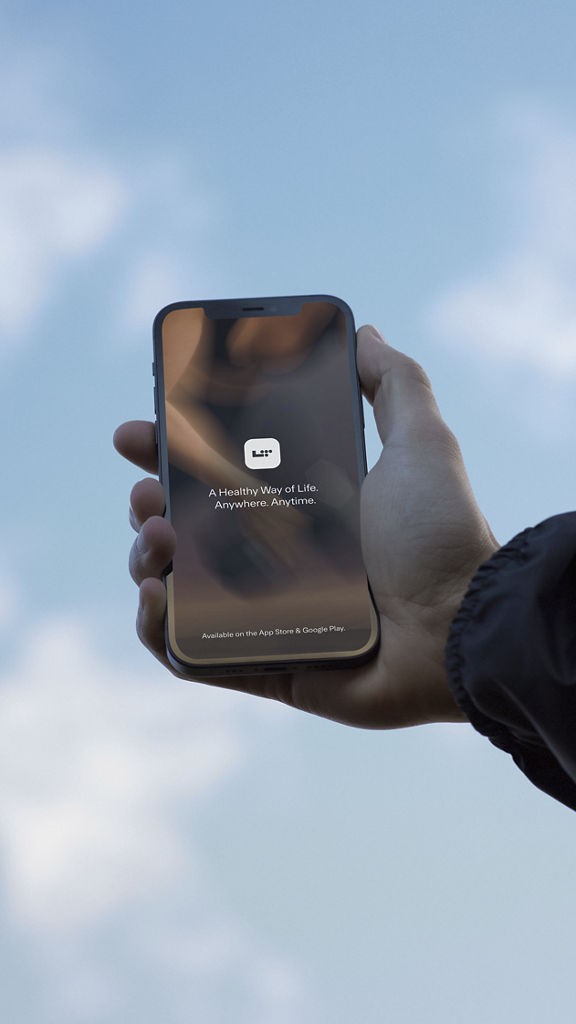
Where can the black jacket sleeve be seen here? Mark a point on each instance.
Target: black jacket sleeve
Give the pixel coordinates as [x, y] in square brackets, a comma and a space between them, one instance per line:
[511, 653]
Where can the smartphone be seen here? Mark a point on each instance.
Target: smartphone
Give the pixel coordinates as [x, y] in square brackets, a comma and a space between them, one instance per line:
[261, 454]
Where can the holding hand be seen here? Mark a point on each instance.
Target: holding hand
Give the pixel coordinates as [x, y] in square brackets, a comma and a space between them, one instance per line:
[423, 538]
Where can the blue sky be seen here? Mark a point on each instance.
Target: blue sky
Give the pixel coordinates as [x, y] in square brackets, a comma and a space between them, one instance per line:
[168, 851]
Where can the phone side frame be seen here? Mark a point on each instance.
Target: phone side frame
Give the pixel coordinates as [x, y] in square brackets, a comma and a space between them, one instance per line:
[249, 666]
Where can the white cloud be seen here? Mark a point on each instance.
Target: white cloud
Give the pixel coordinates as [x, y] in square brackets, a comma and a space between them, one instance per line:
[62, 203]
[522, 308]
[274, 988]
[95, 765]
[153, 280]
[100, 769]
[55, 207]
[58, 207]
[171, 256]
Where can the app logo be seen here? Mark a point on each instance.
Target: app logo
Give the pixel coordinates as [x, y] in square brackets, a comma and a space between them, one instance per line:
[262, 453]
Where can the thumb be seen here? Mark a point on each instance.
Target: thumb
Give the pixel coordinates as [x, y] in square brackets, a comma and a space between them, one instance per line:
[396, 386]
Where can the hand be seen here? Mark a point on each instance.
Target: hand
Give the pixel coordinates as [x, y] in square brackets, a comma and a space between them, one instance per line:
[423, 538]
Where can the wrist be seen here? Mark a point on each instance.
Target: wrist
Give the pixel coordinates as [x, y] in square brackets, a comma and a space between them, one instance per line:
[447, 706]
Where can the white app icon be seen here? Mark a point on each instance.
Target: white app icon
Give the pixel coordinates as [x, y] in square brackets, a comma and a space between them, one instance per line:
[262, 453]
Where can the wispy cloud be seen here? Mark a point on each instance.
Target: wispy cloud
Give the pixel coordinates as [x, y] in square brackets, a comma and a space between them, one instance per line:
[65, 201]
[60, 207]
[168, 255]
[100, 770]
[522, 308]
[55, 208]
[95, 765]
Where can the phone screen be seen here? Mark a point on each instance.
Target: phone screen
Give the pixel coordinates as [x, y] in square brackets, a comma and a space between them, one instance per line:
[262, 458]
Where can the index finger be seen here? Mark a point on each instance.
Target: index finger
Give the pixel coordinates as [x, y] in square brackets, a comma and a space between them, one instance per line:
[136, 441]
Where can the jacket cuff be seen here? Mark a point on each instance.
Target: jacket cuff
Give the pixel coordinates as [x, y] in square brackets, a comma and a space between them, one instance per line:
[511, 653]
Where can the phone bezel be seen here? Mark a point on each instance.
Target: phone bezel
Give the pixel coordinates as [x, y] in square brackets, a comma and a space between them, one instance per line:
[234, 308]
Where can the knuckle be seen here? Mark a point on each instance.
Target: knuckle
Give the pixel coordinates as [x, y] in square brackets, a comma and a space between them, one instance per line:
[135, 564]
[140, 630]
[142, 622]
[417, 373]
[445, 440]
